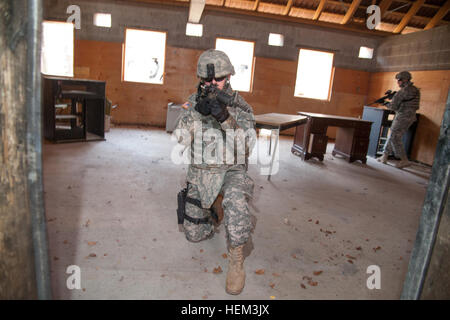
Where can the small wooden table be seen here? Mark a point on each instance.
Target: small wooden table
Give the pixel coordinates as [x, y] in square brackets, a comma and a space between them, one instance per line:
[277, 122]
[352, 137]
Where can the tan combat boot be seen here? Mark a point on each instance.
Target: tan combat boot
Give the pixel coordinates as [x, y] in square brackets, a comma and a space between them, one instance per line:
[383, 158]
[236, 272]
[404, 162]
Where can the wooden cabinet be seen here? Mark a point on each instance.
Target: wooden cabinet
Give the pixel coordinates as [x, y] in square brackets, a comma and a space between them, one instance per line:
[352, 137]
[73, 109]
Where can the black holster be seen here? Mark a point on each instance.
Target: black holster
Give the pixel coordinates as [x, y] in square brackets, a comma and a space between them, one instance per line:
[181, 210]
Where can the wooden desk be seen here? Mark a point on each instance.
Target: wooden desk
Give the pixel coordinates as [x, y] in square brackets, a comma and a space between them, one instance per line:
[277, 122]
[352, 137]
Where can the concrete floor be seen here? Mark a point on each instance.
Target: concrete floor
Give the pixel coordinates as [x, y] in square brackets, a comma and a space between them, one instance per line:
[111, 206]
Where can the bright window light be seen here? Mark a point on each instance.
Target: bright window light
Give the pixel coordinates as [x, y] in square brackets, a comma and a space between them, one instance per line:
[241, 56]
[276, 39]
[314, 72]
[102, 20]
[57, 48]
[144, 56]
[194, 29]
[365, 53]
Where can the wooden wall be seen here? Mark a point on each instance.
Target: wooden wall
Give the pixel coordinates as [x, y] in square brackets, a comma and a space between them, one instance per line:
[273, 85]
[434, 87]
[273, 88]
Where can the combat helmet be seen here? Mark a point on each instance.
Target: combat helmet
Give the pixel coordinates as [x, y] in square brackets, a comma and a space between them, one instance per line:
[214, 64]
[404, 75]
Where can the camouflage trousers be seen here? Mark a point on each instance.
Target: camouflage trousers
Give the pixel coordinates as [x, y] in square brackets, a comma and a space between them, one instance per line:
[399, 127]
[237, 188]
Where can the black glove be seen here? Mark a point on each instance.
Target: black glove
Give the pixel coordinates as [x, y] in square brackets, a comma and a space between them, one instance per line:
[203, 106]
[218, 110]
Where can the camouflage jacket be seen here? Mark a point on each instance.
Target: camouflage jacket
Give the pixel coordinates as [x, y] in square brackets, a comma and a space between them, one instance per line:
[208, 173]
[406, 100]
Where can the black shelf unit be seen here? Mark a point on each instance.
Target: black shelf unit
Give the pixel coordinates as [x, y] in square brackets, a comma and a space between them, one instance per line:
[382, 121]
[73, 109]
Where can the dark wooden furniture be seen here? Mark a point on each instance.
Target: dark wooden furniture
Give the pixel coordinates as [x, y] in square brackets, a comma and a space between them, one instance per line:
[73, 109]
[382, 121]
[352, 137]
[277, 122]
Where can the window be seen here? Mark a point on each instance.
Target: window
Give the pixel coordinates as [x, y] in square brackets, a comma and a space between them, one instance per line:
[276, 39]
[102, 20]
[194, 29]
[314, 74]
[241, 56]
[365, 53]
[144, 56]
[57, 48]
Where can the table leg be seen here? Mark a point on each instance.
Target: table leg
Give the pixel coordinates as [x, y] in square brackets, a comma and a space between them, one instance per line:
[277, 133]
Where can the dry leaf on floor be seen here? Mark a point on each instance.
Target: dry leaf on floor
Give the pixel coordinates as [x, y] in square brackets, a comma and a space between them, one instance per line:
[201, 250]
[87, 223]
[55, 258]
[376, 249]
[294, 256]
[350, 257]
[302, 285]
[92, 255]
[65, 242]
[312, 283]
[350, 261]
[92, 243]
[306, 278]
[272, 285]
[224, 256]
[260, 271]
[275, 274]
[205, 270]
[316, 273]
[317, 221]
[217, 270]
[205, 297]
[358, 248]
[309, 220]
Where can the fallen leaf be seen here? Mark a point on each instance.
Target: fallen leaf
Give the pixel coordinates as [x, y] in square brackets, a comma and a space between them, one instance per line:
[92, 243]
[350, 257]
[224, 256]
[205, 297]
[312, 283]
[205, 270]
[302, 285]
[294, 256]
[92, 255]
[358, 248]
[55, 258]
[260, 271]
[65, 242]
[309, 220]
[201, 250]
[350, 261]
[317, 221]
[272, 285]
[275, 274]
[272, 297]
[377, 248]
[217, 270]
[316, 273]
[105, 254]
[163, 275]
[306, 278]
[87, 223]
[84, 289]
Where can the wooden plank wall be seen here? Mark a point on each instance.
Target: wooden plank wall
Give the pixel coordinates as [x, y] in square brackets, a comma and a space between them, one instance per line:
[434, 87]
[273, 85]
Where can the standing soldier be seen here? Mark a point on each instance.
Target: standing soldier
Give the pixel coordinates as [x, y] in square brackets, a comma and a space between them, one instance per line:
[405, 104]
[216, 107]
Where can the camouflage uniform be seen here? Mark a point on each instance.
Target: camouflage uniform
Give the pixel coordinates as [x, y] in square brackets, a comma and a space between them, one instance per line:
[405, 103]
[207, 180]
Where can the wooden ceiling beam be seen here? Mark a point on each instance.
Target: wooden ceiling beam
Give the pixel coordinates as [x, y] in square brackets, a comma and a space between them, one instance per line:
[288, 8]
[255, 7]
[407, 17]
[384, 6]
[351, 11]
[319, 9]
[438, 16]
